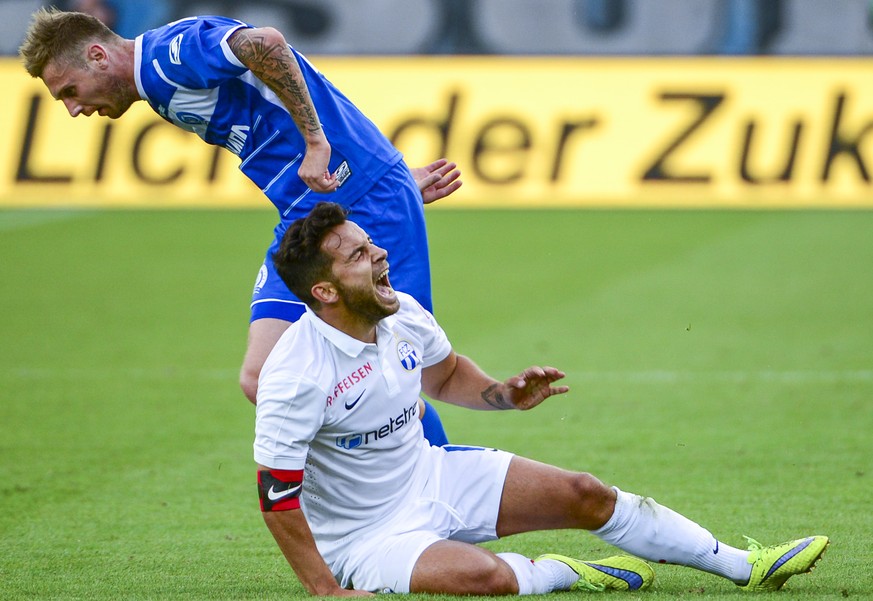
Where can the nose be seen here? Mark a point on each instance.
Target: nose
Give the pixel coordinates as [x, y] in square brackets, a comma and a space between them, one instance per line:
[379, 253]
[73, 107]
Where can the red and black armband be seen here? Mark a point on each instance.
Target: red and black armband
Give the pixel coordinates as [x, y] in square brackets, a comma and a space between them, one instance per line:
[279, 490]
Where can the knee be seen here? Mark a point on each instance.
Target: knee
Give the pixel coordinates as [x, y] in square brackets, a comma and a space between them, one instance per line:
[494, 578]
[469, 571]
[596, 501]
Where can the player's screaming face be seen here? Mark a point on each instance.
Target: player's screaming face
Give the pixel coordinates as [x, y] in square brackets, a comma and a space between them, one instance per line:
[361, 273]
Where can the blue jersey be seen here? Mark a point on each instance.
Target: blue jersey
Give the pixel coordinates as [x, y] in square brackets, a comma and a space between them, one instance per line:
[189, 75]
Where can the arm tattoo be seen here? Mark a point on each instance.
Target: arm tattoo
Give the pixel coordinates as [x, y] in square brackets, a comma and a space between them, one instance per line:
[276, 66]
[495, 398]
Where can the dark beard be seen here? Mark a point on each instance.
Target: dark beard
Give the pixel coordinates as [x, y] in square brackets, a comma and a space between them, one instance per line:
[364, 304]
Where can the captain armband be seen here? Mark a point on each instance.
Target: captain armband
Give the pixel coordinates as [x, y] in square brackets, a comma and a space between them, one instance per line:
[279, 490]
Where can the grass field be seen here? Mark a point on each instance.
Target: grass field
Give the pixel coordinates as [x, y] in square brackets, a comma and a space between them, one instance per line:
[721, 362]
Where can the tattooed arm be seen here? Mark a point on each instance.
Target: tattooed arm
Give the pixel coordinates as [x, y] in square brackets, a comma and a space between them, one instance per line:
[266, 54]
[459, 381]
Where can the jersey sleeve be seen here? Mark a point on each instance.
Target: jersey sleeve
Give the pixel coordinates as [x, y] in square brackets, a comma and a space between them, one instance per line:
[198, 54]
[289, 414]
[435, 343]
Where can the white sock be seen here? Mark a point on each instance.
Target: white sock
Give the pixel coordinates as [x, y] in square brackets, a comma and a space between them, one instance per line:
[644, 528]
[539, 577]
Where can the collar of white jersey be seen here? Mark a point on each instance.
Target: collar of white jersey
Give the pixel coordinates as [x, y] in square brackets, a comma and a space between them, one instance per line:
[345, 343]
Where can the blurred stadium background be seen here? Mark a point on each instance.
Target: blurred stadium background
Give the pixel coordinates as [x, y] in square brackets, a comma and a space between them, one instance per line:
[680, 103]
[627, 27]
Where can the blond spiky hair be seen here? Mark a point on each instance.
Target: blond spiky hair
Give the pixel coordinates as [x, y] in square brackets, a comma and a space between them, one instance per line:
[56, 35]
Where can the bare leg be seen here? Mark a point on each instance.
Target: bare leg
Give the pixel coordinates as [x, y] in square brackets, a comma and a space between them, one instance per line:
[456, 568]
[537, 496]
[542, 497]
[263, 335]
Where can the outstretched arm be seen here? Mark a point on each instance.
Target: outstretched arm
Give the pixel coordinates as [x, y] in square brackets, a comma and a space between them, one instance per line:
[265, 53]
[459, 381]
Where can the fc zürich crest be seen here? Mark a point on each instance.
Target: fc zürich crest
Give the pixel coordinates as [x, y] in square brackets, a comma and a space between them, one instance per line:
[408, 357]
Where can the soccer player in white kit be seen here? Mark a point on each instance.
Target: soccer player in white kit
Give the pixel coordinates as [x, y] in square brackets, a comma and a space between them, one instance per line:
[358, 502]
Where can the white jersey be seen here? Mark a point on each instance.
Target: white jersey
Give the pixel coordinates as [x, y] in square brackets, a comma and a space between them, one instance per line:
[346, 412]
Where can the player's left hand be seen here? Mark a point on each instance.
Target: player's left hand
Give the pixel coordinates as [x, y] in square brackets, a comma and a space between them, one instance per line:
[533, 386]
[437, 180]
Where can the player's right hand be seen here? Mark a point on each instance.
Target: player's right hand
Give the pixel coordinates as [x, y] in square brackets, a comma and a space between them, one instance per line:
[352, 593]
[314, 168]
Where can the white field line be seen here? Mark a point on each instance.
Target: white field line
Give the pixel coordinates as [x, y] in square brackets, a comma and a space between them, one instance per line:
[136, 373]
[729, 377]
[654, 376]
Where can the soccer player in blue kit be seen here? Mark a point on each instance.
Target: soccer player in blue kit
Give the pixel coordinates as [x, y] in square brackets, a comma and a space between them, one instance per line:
[298, 138]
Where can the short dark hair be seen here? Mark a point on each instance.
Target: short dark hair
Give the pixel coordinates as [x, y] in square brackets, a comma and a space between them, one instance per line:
[56, 35]
[300, 261]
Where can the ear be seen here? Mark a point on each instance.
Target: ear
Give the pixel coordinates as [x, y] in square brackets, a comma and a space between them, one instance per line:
[98, 54]
[325, 293]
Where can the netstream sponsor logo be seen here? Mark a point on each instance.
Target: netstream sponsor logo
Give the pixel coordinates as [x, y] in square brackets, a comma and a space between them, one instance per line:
[395, 423]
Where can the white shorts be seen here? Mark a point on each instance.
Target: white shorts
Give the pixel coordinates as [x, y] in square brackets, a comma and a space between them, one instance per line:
[459, 502]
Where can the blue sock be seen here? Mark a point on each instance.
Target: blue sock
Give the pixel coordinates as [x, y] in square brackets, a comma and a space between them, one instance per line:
[433, 426]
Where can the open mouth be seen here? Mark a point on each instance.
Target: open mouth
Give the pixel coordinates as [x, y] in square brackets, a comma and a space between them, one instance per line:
[383, 286]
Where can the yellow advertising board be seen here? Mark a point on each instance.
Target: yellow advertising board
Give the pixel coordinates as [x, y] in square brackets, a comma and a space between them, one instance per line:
[598, 132]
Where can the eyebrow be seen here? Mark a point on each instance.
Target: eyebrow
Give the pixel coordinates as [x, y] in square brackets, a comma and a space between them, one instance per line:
[359, 248]
[355, 251]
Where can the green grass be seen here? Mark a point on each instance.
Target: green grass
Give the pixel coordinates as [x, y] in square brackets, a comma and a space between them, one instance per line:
[721, 362]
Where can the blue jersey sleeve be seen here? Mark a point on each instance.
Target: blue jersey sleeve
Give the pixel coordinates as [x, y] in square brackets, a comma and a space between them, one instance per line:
[189, 75]
[198, 55]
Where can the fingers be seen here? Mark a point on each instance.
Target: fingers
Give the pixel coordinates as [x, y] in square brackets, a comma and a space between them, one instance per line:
[440, 183]
[437, 164]
[448, 177]
[440, 167]
[433, 193]
[429, 181]
[325, 183]
[546, 374]
[534, 383]
[315, 167]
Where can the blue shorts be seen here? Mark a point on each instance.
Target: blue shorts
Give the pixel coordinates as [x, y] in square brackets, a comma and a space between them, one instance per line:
[392, 213]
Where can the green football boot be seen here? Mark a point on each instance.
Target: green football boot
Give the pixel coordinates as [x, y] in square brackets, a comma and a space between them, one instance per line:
[621, 572]
[772, 566]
